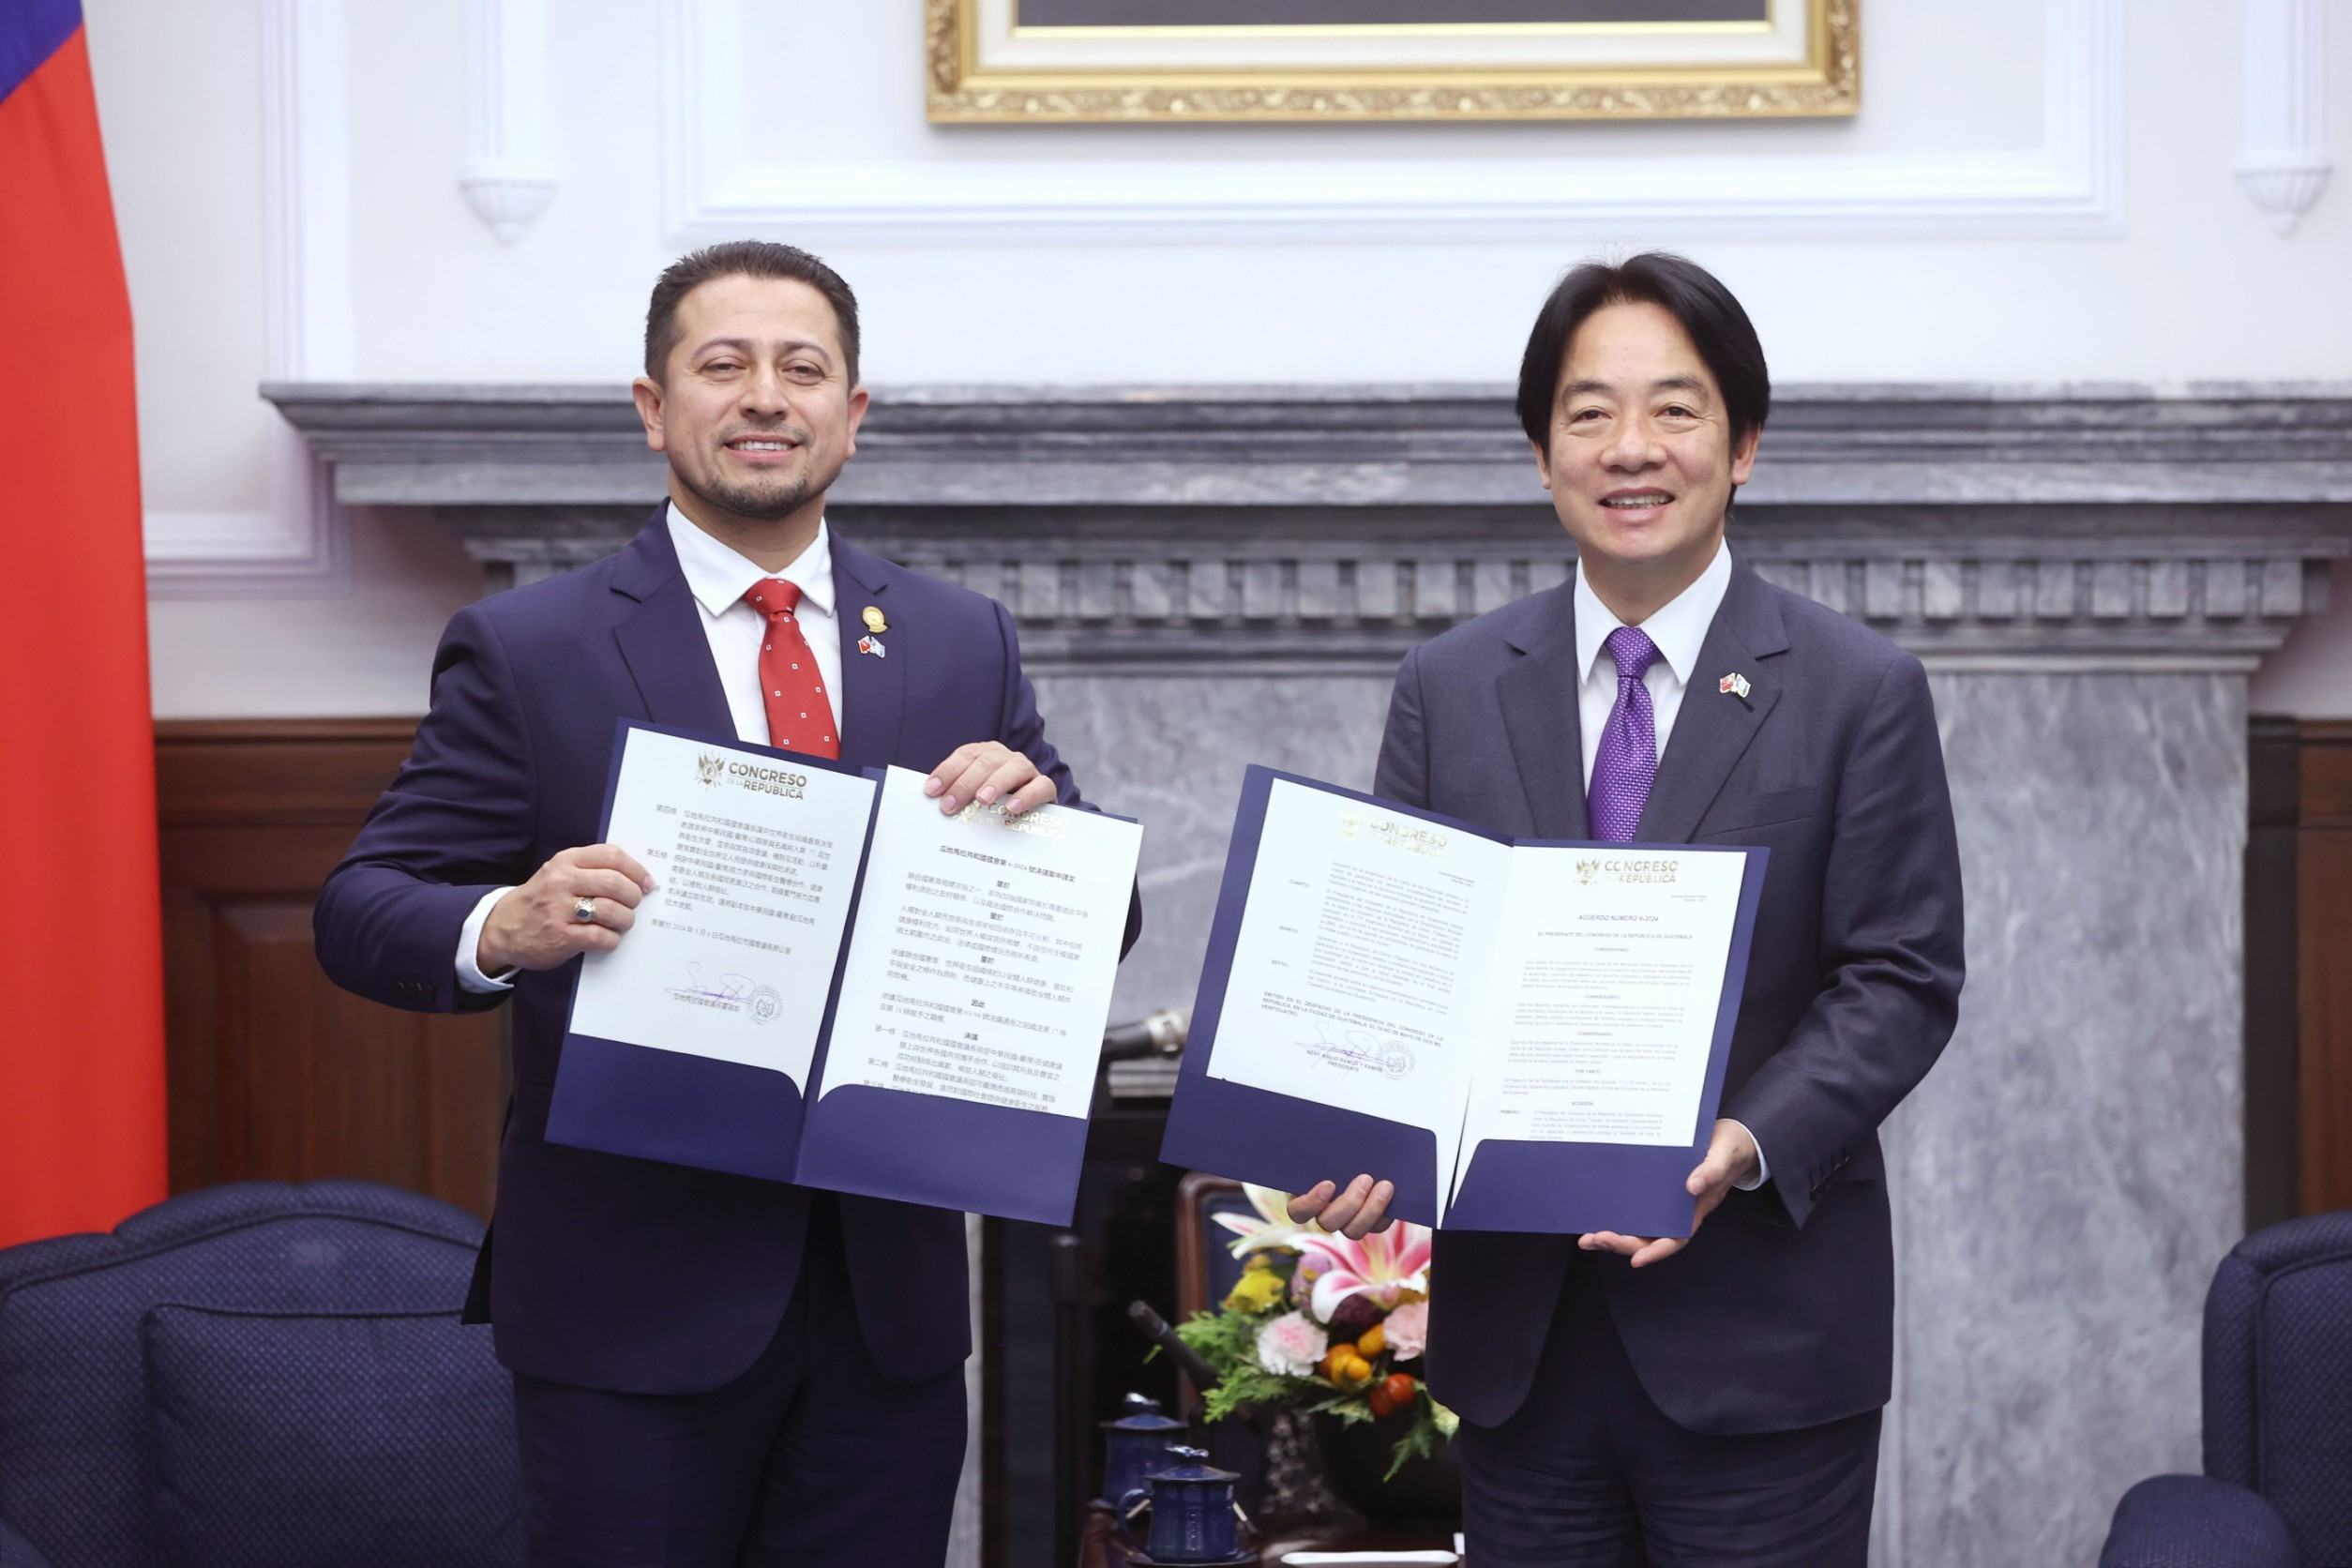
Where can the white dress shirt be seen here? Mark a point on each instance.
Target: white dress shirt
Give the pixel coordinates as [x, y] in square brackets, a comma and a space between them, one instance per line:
[1677, 629]
[719, 578]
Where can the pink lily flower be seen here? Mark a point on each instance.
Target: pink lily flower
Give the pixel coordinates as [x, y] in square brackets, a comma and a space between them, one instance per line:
[1382, 1266]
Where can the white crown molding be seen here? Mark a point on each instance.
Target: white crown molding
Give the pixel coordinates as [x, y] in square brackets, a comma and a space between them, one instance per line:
[299, 544]
[2285, 164]
[509, 175]
[2071, 186]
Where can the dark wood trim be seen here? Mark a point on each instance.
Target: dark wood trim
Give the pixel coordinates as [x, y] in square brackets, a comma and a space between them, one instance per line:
[277, 772]
[271, 1071]
[1193, 1239]
[2323, 941]
[2273, 1128]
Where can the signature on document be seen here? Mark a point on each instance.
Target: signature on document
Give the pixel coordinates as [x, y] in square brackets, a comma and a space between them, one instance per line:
[1359, 1050]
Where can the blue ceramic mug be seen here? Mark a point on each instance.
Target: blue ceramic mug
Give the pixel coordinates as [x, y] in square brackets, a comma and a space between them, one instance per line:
[1193, 1516]
[1136, 1444]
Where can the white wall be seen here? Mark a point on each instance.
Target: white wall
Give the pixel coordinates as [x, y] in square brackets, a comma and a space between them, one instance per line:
[1866, 260]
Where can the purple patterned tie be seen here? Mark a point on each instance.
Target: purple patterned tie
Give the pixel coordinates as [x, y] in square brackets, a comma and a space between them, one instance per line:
[1628, 761]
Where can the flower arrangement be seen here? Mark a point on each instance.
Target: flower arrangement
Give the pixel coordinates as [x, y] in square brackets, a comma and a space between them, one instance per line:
[1325, 1325]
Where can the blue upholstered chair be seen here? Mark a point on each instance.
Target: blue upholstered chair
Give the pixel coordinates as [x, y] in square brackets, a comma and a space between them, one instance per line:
[254, 1373]
[2277, 1487]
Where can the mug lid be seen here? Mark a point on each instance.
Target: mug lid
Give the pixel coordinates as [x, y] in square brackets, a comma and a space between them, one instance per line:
[1142, 1415]
[1188, 1464]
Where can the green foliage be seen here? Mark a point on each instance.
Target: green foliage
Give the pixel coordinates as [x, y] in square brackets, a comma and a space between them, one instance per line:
[1421, 1439]
[1348, 1405]
[1227, 1341]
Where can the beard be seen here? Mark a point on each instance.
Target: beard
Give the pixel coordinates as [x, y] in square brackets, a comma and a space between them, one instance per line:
[764, 500]
[764, 496]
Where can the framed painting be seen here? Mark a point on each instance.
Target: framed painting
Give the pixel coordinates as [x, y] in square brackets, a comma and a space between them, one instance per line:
[1042, 61]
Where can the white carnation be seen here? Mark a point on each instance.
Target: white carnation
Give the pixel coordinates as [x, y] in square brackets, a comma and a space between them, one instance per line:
[1292, 1345]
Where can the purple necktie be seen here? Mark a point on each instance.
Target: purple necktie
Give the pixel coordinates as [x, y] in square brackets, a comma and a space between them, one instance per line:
[1628, 761]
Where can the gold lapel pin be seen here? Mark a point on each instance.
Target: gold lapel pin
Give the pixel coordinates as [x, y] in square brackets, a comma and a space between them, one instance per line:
[872, 616]
[1736, 684]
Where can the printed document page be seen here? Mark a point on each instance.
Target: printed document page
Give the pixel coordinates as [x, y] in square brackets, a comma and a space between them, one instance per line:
[1609, 968]
[1358, 978]
[982, 960]
[754, 863]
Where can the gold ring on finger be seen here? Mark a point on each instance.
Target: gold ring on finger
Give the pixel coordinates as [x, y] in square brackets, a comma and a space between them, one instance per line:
[584, 911]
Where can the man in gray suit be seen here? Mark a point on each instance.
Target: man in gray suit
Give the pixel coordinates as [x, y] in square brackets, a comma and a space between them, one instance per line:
[1710, 1399]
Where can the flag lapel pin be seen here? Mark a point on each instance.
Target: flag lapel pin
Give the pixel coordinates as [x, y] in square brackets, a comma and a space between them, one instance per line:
[1736, 684]
[875, 626]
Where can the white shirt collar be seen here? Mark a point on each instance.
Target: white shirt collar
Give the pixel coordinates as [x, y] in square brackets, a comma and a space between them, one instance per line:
[719, 577]
[1678, 629]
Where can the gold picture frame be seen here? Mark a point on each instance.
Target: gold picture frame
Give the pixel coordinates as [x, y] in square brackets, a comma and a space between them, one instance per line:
[984, 67]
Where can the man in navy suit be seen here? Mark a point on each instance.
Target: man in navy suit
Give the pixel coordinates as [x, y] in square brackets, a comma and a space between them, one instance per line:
[1710, 1399]
[708, 1368]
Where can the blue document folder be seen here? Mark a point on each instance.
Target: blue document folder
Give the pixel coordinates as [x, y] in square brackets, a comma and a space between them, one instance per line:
[686, 1108]
[1292, 1141]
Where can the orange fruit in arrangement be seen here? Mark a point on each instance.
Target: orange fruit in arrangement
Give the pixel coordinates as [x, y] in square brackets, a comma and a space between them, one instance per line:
[1372, 1342]
[1335, 1358]
[1355, 1372]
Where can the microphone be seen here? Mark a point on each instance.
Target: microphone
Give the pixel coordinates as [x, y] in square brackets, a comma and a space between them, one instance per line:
[1160, 1033]
[1155, 1328]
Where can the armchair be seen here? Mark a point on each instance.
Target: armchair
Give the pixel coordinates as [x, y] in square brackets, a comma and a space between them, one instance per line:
[255, 1373]
[2277, 1487]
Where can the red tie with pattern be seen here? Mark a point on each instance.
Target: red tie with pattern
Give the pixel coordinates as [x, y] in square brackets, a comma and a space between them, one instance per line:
[800, 715]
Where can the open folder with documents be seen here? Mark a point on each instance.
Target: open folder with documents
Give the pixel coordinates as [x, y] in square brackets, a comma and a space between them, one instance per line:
[1519, 1034]
[834, 983]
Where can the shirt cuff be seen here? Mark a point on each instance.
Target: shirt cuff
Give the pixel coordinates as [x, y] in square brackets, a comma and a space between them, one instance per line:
[470, 975]
[1763, 1167]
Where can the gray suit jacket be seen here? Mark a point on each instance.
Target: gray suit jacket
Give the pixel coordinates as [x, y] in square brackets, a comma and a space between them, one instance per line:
[1780, 1313]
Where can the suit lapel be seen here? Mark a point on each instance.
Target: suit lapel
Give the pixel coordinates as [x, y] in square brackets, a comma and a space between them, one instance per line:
[661, 637]
[1538, 698]
[1713, 728]
[873, 688]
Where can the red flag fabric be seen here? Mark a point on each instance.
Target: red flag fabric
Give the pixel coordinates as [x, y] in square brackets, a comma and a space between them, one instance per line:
[81, 1085]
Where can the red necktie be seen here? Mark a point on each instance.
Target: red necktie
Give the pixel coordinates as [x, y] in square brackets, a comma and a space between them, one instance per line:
[800, 715]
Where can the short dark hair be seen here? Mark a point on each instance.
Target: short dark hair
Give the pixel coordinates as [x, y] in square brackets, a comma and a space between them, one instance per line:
[744, 258]
[1685, 291]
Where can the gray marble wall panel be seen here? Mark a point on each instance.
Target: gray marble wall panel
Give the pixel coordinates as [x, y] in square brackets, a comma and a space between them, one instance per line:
[2069, 1174]
[1169, 751]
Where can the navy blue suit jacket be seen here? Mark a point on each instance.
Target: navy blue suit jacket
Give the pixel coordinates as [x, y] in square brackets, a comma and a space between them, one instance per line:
[600, 1269]
[1780, 1312]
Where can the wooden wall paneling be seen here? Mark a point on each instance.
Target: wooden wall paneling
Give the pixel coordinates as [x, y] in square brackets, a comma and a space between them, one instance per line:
[191, 1087]
[464, 1107]
[264, 1049]
[2273, 1134]
[274, 1072]
[2323, 908]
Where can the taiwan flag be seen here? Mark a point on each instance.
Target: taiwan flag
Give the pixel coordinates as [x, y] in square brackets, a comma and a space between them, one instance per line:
[81, 1096]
